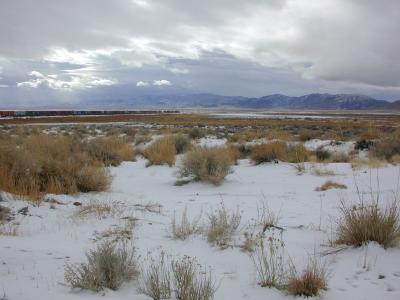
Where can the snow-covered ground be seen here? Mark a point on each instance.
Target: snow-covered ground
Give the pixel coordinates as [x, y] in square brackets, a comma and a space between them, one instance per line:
[32, 263]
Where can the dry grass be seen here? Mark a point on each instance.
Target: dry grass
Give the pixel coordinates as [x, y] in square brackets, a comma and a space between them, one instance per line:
[111, 150]
[182, 143]
[369, 222]
[276, 150]
[222, 226]
[269, 262]
[297, 154]
[39, 164]
[184, 228]
[155, 279]
[161, 151]
[116, 234]
[99, 209]
[207, 164]
[5, 214]
[108, 266]
[310, 282]
[178, 279]
[330, 185]
[190, 283]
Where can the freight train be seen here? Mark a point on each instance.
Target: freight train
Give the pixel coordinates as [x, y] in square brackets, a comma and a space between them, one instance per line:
[61, 113]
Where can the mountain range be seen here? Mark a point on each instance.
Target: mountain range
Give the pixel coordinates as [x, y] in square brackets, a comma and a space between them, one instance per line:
[275, 101]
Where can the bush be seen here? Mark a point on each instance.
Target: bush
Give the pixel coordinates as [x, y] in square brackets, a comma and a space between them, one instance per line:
[183, 278]
[297, 154]
[182, 143]
[222, 226]
[310, 282]
[322, 154]
[4, 214]
[269, 152]
[269, 262]
[155, 280]
[368, 222]
[161, 151]
[108, 266]
[111, 150]
[189, 283]
[207, 164]
[196, 133]
[386, 148]
[184, 228]
[49, 164]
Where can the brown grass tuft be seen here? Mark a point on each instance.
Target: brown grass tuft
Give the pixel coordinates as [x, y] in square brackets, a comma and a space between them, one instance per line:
[161, 151]
[310, 282]
[330, 185]
[368, 222]
[207, 164]
[276, 150]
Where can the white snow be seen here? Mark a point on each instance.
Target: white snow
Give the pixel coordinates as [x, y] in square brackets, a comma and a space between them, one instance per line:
[32, 263]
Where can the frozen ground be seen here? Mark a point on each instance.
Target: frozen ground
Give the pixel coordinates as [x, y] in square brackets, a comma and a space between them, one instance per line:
[32, 263]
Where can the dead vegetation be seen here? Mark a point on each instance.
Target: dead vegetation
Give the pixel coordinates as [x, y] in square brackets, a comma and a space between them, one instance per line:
[99, 209]
[183, 228]
[161, 151]
[207, 164]
[369, 222]
[330, 185]
[182, 278]
[107, 266]
[222, 226]
[310, 282]
[41, 163]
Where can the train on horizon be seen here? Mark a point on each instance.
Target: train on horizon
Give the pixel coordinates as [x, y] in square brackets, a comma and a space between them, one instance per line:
[64, 113]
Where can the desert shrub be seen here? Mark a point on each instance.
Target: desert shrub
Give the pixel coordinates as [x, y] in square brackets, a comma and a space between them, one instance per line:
[108, 266]
[386, 148]
[363, 144]
[322, 154]
[368, 222]
[42, 163]
[184, 228]
[339, 157]
[161, 151]
[330, 185]
[222, 225]
[269, 262]
[111, 150]
[310, 282]
[233, 153]
[207, 164]
[244, 150]
[182, 143]
[276, 150]
[306, 135]
[297, 154]
[155, 279]
[189, 282]
[196, 133]
[182, 278]
[99, 209]
[4, 213]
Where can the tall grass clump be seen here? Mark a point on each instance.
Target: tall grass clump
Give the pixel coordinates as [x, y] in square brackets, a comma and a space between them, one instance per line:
[310, 282]
[222, 226]
[111, 150]
[161, 151]
[369, 222]
[276, 150]
[183, 228]
[182, 143]
[108, 266]
[207, 164]
[38, 164]
[180, 279]
[269, 262]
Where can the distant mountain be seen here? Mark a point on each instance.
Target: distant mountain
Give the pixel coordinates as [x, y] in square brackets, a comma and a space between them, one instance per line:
[275, 101]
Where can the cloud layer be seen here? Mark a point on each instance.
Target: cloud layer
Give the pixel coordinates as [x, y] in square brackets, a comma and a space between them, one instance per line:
[288, 46]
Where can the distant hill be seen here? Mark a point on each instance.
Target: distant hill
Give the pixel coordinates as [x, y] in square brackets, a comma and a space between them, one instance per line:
[275, 101]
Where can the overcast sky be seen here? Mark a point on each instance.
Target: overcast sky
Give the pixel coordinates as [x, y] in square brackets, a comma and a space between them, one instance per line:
[68, 50]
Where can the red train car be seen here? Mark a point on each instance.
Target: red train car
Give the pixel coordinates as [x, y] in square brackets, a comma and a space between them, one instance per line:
[6, 113]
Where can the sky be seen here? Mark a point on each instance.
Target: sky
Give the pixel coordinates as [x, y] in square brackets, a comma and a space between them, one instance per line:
[68, 51]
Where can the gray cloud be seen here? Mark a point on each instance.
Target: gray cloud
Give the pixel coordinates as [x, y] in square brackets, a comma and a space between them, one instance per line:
[246, 47]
